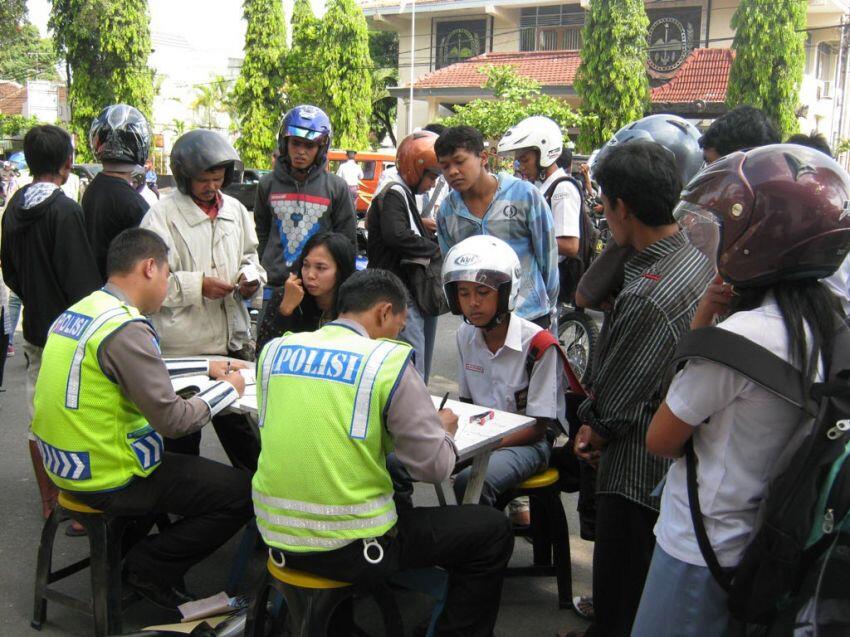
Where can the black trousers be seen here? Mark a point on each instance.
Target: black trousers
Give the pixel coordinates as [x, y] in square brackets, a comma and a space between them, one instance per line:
[213, 499]
[236, 434]
[4, 345]
[543, 321]
[621, 557]
[472, 542]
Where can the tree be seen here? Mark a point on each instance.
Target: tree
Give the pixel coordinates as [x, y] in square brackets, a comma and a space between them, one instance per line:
[344, 66]
[257, 94]
[12, 15]
[514, 98]
[105, 44]
[214, 98]
[770, 56]
[383, 49]
[612, 80]
[302, 86]
[16, 125]
[27, 56]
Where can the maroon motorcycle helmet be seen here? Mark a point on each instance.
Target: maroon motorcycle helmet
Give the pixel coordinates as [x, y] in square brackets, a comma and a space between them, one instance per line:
[772, 213]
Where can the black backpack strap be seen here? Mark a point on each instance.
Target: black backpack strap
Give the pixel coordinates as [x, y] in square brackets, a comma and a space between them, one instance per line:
[723, 576]
[554, 185]
[739, 353]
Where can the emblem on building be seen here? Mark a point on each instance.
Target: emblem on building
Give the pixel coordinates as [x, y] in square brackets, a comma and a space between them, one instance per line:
[670, 41]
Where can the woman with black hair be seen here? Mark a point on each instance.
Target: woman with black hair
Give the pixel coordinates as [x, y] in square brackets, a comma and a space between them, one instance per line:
[307, 299]
[773, 217]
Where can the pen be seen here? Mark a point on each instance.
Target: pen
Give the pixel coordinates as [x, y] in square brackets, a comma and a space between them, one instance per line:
[443, 402]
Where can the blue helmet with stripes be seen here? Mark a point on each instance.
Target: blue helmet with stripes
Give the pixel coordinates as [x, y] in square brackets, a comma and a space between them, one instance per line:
[310, 123]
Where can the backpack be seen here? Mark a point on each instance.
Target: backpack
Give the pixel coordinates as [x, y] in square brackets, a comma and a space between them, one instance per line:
[571, 269]
[806, 511]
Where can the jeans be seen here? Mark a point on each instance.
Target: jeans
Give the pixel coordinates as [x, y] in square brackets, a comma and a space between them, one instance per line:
[421, 332]
[507, 468]
[682, 599]
[473, 543]
[14, 314]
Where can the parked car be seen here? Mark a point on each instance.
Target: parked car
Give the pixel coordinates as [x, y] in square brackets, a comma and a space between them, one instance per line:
[246, 189]
[373, 165]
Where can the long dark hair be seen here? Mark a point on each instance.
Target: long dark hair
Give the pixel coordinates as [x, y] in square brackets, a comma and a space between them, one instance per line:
[806, 302]
[342, 252]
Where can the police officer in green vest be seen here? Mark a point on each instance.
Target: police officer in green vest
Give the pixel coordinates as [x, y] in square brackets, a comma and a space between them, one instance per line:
[103, 401]
[333, 403]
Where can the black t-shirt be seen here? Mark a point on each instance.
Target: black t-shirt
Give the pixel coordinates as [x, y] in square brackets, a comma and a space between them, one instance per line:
[110, 206]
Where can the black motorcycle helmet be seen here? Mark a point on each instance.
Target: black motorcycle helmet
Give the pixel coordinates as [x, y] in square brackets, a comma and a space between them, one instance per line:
[120, 135]
[200, 150]
[677, 135]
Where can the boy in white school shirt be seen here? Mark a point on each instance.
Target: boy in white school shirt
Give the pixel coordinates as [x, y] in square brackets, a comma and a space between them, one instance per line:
[481, 279]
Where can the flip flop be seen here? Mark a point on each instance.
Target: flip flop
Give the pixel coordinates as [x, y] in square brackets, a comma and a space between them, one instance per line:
[583, 607]
[72, 530]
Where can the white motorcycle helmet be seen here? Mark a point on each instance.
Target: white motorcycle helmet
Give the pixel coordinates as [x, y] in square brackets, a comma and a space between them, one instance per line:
[487, 261]
[535, 132]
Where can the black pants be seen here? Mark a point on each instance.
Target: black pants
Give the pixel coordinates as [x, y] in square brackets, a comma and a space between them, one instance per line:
[621, 557]
[213, 499]
[472, 542]
[4, 345]
[543, 321]
[236, 434]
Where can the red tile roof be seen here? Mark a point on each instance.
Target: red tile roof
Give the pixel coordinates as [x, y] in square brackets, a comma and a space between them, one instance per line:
[703, 76]
[547, 67]
[12, 98]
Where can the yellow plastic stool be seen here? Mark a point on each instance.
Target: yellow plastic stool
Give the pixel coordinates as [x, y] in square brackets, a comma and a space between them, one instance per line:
[67, 501]
[302, 579]
[548, 531]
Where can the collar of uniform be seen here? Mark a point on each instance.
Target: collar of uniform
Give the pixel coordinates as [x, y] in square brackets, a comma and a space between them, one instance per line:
[551, 179]
[354, 326]
[194, 216]
[463, 210]
[118, 293]
[513, 339]
[644, 259]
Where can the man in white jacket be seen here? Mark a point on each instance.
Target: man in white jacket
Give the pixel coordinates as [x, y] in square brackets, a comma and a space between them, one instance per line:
[214, 270]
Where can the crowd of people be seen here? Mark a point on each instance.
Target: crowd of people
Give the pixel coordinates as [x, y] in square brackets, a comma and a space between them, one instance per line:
[125, 291]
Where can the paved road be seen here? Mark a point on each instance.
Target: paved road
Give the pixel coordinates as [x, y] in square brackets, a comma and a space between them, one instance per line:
[529, 606]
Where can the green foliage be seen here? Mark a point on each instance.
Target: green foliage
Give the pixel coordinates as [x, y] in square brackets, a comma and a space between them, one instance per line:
[612, 80]
[514, 98]
[344, 74]
[301, 85]
[769, 58]
[13, 13]
[15, 125]
[106, 44]
[257, 95]
[383, 49]
[213, 98]
[27, 56]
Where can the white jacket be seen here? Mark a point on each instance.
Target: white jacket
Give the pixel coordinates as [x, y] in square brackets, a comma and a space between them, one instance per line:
[189, 324]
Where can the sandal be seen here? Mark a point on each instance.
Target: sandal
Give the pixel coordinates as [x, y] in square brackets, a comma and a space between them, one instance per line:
[75, 529]
[583, 607]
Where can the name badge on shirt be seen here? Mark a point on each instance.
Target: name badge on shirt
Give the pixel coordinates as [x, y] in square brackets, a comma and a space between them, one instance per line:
[315, 362]
[71, 325]
[474, 368]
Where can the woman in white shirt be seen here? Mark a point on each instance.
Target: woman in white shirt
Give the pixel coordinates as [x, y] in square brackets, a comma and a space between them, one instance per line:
[774, 218]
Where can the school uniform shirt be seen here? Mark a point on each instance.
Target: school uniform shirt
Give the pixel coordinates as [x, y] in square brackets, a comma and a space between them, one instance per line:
[747, 429]
[519, 216]
[500, 381]
[566, 207]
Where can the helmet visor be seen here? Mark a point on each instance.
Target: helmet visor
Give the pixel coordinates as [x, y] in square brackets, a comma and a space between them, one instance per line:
[702, 226]
[304, 133]
[490, 278]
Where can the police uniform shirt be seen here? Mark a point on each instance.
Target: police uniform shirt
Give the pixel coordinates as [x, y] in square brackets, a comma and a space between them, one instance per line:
[131, 358]
[500, 381]
[566, 207]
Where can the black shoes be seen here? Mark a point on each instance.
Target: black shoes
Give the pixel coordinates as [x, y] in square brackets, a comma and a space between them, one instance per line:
[163, 595]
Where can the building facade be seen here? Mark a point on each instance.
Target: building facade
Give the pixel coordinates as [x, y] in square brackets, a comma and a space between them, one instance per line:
[688, 62]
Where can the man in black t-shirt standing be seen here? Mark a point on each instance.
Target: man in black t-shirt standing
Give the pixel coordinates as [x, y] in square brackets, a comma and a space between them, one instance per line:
[120, 138]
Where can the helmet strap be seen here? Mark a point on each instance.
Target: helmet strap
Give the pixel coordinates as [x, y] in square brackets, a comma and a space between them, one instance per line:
[494, 322]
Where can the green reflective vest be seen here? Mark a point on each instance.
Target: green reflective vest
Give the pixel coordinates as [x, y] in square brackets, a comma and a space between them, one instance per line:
[322, 481]
[91, 437]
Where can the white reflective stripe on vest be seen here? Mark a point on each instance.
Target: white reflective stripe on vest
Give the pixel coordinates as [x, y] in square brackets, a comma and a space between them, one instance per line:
[268, 361]
[297, 540]
[322, 509]
[319, 525]
[363, 399]
[72, 393]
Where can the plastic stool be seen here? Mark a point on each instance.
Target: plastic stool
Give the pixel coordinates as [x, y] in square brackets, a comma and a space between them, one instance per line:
[548, 531]
[104, 534]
